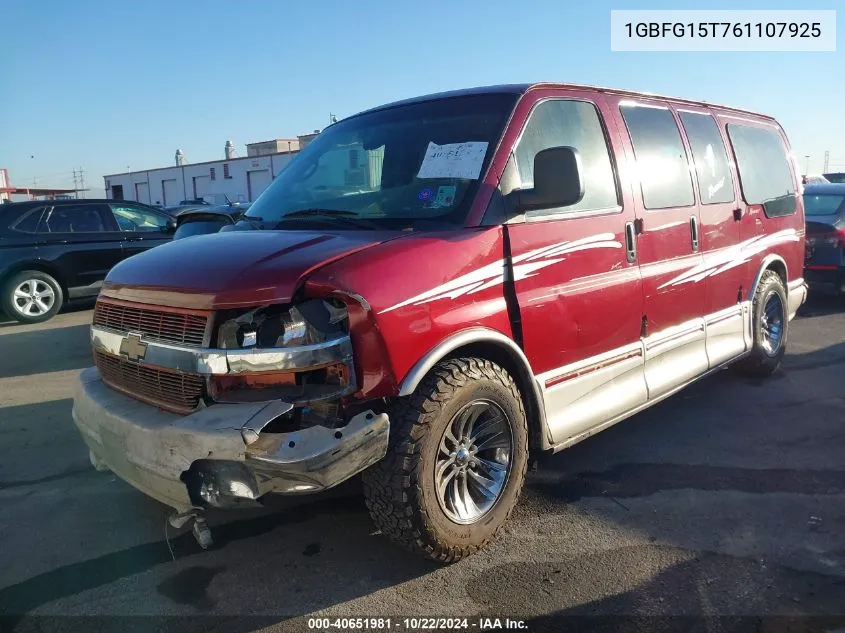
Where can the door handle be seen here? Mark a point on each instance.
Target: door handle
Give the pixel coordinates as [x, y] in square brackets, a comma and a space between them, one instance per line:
[737, 214]
[630, 242]
[693, 229]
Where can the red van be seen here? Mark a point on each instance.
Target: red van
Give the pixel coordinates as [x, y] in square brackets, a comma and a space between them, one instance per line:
[432, 289]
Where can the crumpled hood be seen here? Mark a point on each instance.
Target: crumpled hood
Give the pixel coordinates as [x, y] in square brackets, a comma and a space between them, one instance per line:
[232, 269]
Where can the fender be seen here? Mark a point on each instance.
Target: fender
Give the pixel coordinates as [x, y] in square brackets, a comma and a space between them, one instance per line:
[482, 335]
[767, 262]
[36, 264]
[796, 289]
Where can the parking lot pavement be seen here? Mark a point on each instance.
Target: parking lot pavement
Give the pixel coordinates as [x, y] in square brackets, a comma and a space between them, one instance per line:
[727, 499]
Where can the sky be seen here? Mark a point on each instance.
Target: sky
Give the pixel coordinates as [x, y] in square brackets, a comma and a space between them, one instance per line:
[108, 86]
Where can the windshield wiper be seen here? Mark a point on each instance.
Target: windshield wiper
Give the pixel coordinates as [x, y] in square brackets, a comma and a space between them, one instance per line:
[336, 215]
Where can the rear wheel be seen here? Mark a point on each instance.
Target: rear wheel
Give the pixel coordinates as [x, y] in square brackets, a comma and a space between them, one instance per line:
[770, 325]
[456, 461]
[31, 296]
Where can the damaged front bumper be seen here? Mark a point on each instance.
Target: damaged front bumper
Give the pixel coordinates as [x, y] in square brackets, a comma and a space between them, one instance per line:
[218, 455]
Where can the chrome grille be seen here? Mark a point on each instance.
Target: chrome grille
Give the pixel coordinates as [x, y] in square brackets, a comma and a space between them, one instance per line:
[174, 391]
[162, 324]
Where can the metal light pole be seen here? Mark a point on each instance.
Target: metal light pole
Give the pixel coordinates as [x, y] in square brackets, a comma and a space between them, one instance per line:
[807, 165]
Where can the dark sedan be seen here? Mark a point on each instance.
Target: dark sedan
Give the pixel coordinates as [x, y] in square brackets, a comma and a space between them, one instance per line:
[204, 220]
[52, 251]
[824, 266]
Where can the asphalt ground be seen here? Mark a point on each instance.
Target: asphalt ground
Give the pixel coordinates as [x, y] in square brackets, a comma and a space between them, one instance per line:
[720, 506]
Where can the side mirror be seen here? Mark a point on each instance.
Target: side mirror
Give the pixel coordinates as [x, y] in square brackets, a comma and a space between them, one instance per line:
[171, 225]
[557, 181]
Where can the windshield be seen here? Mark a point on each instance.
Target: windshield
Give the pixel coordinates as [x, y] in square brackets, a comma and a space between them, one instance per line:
[822, 204]
[393, 167]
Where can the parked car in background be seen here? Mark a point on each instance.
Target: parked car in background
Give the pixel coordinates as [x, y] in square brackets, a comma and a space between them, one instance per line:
[177, 209]
[814, 180]
[836, 177]
[824, 265]
[498, 284]
[55, 251]
[203, 220]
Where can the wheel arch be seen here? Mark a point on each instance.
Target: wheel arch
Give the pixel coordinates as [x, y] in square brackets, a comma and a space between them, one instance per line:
[775, 263]
[494, 346]
[40, 266]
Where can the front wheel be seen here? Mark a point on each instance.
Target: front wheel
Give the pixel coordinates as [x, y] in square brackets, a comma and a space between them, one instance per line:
[456, 461]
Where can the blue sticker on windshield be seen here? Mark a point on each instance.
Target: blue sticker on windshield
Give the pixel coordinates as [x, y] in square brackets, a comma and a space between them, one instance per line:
[426, 194]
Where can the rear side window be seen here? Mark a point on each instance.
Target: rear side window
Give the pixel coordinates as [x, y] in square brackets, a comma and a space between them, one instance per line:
[87, 218]
[662, 164]
[764, 173]
[560, 122]
[715, 183]
[29, 222]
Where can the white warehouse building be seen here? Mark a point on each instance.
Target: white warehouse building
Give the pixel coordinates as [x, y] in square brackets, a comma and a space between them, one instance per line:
[238, 179]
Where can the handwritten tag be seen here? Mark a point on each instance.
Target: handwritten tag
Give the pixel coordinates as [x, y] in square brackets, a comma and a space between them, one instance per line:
[453, 160]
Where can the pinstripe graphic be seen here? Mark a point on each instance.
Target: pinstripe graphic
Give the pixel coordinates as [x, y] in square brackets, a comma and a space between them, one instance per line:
[524, 266]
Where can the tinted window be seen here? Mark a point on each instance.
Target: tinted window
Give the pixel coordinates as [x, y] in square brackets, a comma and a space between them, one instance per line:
[835, 177]
[822, 204]
[764, 173]
[29, 222]
[74, 219]
[662, 164]
[199, 228]
[132, 218]
[576, 124]
[715, 183]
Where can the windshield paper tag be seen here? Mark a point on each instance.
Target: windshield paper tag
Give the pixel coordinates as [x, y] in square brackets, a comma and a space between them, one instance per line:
[453, 160]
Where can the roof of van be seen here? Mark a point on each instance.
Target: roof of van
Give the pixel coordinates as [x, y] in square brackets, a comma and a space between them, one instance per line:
[518, 89]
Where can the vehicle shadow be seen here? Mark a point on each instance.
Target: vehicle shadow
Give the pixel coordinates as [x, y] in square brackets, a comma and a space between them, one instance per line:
[325, 543]
[685, 590]
[819, 304]
[39, 351]
[674, 589]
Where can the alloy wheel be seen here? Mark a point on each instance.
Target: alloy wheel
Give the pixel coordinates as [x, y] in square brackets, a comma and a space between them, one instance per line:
[33, 297]
[772, 324]
[473, 461]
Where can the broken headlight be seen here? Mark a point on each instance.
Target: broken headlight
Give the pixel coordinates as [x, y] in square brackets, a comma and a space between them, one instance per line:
[306, 323]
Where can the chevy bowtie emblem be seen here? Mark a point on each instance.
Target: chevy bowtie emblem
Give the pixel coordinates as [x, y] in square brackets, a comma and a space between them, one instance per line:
[132, 347]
